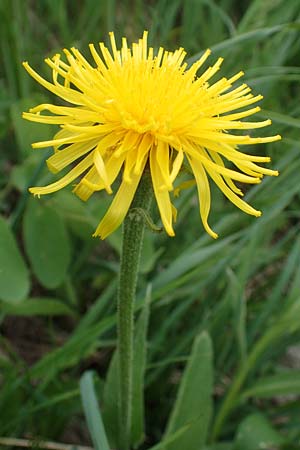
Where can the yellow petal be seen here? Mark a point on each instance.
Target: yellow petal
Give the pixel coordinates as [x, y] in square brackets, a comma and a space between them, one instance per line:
[53, 120]
[200, 154]
[92, 182]
[203, 193]
[88, 185]
[237, 201]
[142, 150]
[119, 208]
[70, 139]
[67, 179]
[68, 94]
[163, 161]
[101, 169]
[218, 160]
[162, 196]
[177, 163]
[62, 158]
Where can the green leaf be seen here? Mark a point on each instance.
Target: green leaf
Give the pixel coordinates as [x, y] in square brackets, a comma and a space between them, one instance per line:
[139, 366]
[149, 254]
[280, 384]
[75, 212]
[282, 119]
[170, 439]
[111, 400]
[256, 432]
[193, 406]
[14, 276]
[46, 243]
[187, 261]
[38, 306]
[242, 38]
[220, 446]
[80, 345]
[92, 412]
[22, 174]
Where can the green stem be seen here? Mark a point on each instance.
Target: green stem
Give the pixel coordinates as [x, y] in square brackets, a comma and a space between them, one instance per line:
[133, 232]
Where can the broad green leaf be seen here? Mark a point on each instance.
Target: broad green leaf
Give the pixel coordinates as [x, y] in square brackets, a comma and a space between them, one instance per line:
[256, 432]
[139, 366]
[75, 212]
[193, 406]
[37, 307]
[92, 412]
[21, 174]
[280, 384]
[14, 276]
[46, 243]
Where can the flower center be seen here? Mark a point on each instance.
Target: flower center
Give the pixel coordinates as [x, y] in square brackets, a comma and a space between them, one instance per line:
[146, 123]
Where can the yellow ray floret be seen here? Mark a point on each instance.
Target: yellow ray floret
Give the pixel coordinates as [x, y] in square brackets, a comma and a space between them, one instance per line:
[133, 108]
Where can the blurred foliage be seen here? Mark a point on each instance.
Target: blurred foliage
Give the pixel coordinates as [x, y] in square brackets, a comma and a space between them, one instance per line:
[224, 312]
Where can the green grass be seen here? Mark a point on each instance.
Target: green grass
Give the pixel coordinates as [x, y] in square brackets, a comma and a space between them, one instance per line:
[242, 292]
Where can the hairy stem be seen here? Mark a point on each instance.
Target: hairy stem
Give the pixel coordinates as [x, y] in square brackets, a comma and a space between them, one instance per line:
[133, 232]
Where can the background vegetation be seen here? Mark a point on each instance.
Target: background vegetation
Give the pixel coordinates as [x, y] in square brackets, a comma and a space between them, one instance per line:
[224, 316]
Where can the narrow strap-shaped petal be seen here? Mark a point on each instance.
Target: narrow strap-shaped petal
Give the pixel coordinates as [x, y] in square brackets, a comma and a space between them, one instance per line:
[229, 151]
[191, 72]
[118, 208]
[200, 154]
[177, 163]
[68, 94]
[162, 196]
[67, 179]
[53, 120]
[130, 141]
[92, 182]
[101, 169]
[70, 139]
[130, 161]
[163, 160]
[220, 124]
[86, 187]
[218, 160]
[233, 139]
[62, 158]
[142, 150]
[237, 201]
[79, 113]
[203, 193]
[242, 114]
[247, 167]
[209, 72]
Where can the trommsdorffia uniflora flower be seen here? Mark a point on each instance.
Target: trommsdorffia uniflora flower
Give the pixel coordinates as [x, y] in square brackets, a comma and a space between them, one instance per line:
[135, 107]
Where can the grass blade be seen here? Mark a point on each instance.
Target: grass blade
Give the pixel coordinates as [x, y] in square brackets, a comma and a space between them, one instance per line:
[92, 412]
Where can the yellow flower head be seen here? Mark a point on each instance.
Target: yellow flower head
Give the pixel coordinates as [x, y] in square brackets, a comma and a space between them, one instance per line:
[134, 107]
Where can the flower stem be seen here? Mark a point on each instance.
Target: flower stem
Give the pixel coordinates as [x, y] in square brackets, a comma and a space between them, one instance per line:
[133, 232]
